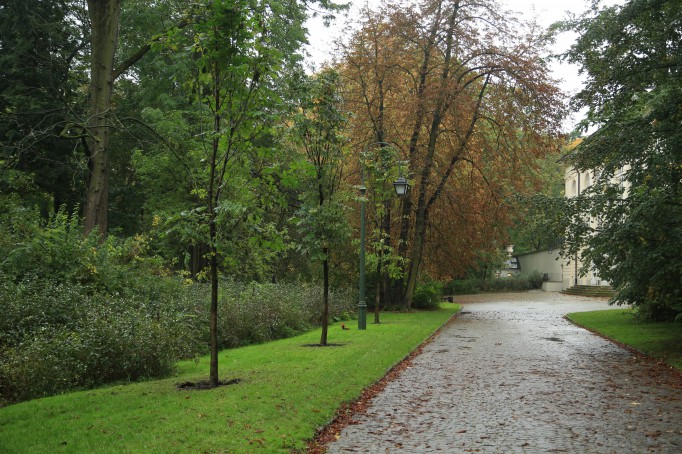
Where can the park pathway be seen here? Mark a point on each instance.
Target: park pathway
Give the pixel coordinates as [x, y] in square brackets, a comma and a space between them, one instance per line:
[510, 375]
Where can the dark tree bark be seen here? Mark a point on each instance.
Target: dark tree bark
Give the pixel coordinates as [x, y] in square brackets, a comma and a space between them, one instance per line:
[213, 200]
[104, 19]
[104, 28]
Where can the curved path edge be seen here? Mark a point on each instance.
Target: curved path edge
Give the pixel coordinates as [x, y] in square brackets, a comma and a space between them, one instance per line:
[511, 374]
[346, 412]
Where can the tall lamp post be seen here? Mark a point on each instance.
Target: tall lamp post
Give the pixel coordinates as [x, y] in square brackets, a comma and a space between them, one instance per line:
[362, 306]
[401, 186]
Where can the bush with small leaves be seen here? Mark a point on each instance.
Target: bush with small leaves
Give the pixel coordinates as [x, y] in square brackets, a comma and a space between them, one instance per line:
[535, 279]
[515, 283]
[56, 337]
[463, 287]
[260, 312]
[78, 313]
[428, 296]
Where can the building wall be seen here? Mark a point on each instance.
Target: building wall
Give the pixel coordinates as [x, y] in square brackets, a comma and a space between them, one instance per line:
[569, 274]
[575, 183]
[563, 272]
[544, 262]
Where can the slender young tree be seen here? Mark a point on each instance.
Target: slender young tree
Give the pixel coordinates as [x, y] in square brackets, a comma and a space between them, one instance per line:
[241, 50]
[322, 218]
[381, 166]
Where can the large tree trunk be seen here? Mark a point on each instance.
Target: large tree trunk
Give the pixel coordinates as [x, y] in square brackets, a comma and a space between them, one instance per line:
[423, 203]
[406, 287]
[415, 262]
[398, 291]
[104, 18]
[197, 258]
[421, 215]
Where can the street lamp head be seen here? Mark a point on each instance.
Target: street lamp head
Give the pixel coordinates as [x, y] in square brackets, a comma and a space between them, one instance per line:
[401, 186]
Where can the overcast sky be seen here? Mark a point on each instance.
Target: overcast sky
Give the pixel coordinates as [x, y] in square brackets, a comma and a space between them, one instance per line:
[547, 12]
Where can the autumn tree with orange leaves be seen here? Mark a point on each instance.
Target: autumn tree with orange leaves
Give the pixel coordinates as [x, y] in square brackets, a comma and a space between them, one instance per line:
[461, 90]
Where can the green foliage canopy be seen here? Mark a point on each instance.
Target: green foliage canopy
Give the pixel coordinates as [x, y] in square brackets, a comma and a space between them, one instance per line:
[40, 45]
[318, 131]
[632, 58]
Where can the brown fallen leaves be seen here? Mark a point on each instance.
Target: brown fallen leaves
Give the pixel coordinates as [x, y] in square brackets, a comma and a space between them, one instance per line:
[344, 416]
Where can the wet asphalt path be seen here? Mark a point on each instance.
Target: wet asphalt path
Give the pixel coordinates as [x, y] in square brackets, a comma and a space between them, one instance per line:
[510, 375]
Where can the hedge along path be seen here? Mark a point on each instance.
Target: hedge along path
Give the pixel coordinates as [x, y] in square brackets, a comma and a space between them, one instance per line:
[286, 394]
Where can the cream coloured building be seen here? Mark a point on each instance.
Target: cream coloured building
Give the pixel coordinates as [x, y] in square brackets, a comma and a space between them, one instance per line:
[562, 273]
[575, 183]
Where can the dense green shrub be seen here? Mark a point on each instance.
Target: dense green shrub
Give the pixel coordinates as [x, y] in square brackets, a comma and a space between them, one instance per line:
[535, 279]
[515, 283]
[78, 312]
[463, 287]
[428, 295]
[56, 337]
[260, 312]
[57, 250]
[16, 222]
[659, 310]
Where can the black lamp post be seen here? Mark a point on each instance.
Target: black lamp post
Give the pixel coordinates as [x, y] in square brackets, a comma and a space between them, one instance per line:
[401, 186]
[362, 305]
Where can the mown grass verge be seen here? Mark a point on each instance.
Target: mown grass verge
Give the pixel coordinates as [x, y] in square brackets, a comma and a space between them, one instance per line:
[658, 340]
[287, 391]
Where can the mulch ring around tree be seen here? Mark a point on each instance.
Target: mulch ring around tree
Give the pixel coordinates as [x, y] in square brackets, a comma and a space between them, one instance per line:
[344, 416]
[205, 384]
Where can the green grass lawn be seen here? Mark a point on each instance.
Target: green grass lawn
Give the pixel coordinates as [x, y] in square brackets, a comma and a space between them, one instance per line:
[659, 340]
[287, 390]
